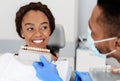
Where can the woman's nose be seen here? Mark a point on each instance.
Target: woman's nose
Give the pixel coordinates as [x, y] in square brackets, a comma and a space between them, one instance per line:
[38, 33]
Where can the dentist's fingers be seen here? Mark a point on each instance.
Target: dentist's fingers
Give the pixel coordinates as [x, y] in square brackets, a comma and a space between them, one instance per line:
[44, 61]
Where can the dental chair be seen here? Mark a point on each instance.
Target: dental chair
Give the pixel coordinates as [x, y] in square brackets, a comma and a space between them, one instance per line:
[56, 42]
[57, 39]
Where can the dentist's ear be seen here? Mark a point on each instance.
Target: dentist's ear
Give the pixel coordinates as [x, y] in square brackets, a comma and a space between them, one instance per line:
[117, 53]
[115, 44]
[118, 43]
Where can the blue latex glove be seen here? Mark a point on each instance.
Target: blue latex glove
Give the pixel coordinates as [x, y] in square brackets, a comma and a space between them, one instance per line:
[46, 71]
[82, 76]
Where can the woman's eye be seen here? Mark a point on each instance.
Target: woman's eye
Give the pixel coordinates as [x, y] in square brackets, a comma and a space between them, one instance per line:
[30, 28]
[43, 27]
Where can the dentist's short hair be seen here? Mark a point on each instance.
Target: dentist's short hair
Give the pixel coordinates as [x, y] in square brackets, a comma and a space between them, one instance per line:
[110, 17]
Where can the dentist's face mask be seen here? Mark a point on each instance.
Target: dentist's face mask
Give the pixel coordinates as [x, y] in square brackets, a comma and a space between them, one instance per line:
[92, 43]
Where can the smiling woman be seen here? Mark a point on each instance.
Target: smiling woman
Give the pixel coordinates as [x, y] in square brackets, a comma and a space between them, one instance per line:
[35, 23]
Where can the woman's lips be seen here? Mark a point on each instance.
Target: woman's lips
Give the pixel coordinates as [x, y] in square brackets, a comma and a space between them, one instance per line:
[37, 41]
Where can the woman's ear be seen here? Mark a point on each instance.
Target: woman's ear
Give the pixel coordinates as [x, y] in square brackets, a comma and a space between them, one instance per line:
[22, 35]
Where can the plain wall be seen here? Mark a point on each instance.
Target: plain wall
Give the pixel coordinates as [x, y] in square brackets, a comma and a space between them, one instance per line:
[85, 8]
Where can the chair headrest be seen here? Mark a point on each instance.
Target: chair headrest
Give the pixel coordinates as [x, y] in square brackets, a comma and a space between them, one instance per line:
[57, 39]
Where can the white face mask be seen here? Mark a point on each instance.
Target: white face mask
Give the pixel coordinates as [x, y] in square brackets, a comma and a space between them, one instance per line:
[91, 43]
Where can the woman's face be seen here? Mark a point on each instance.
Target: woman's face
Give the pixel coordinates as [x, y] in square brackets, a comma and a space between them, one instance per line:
[36, 29]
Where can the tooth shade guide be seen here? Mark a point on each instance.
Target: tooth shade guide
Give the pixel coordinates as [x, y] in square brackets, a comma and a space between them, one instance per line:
[28, 55]
[35, 49]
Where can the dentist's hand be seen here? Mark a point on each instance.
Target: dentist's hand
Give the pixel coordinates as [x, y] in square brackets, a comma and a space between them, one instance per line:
[46, 71]
[82, 76]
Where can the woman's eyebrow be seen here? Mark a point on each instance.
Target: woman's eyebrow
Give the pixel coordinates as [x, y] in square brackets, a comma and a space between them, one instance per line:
[43, 23]
[29, 24]
[33, 24]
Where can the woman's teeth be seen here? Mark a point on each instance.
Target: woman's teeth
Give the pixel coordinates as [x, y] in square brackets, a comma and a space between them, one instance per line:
[37, 41]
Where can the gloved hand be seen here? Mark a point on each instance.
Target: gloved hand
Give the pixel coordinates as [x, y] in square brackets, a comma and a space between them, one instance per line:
[82, 76]
[46, 71]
